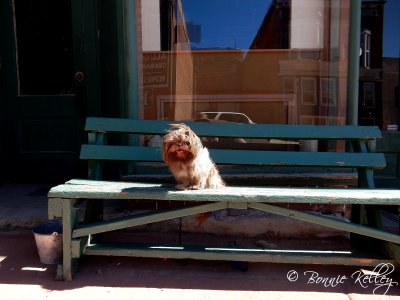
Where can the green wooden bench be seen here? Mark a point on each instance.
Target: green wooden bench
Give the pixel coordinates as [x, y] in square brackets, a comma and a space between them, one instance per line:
[366, 199]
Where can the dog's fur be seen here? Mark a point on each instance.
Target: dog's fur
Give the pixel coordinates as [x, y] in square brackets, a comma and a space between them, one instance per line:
[188, 160]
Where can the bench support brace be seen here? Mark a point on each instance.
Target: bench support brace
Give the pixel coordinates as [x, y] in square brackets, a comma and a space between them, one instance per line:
[326, 221]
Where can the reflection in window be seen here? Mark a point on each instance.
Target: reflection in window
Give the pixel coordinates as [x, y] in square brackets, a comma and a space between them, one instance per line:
[366, 49]
[308, 91]
[328, 92]
[369, 94]
[264, 59]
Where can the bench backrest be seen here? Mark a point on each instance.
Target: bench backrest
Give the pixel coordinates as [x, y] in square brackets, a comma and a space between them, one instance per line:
[361, 138]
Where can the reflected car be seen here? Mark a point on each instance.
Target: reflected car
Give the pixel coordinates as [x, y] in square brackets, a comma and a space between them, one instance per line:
[233, 117]
[212, 117]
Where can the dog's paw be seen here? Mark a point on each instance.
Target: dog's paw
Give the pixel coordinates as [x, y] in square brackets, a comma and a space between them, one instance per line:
[195, 187]
[181, 186]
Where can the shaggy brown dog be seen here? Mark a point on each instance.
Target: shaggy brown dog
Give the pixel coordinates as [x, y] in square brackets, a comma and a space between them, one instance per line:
[188, 160]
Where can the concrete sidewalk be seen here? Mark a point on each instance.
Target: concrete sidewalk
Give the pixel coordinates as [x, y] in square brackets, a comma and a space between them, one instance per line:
[22, 205]
[23, 276]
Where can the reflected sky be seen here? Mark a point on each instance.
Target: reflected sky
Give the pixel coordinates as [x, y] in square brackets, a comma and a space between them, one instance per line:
[226, 24]
[233, 24]
[391, 29]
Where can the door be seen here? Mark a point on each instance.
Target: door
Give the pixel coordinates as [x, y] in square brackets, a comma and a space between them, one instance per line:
[370, 104]
[46, 89]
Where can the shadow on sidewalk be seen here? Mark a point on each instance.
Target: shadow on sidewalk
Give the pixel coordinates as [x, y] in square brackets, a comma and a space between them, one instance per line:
[20, 265]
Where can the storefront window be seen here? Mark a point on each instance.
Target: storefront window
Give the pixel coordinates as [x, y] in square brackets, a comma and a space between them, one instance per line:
[247, 61]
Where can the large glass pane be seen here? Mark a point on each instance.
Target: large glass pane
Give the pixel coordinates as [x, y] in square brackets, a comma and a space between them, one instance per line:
[261, 61]
[379, 64]
[391, 66]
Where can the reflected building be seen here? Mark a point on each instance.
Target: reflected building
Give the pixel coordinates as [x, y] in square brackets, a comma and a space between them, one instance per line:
[379, 76]
[295, 70]
[370, 84]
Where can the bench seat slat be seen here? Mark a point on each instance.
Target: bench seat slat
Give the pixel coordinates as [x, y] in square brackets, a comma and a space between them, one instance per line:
[243, 157]
[88, 189]
[234, 130]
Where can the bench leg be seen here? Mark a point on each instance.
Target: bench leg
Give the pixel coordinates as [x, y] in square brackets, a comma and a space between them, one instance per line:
[69, 220]
[369, 216]
[393, 250]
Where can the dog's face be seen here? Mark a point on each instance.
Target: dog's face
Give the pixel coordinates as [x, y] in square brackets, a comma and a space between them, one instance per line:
[180, 144]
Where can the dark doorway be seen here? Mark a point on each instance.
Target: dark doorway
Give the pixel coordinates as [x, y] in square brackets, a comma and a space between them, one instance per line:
[45, 89]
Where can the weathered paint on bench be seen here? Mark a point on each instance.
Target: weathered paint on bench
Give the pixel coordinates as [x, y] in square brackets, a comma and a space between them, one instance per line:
[233, 130]
[64, 199]
[229, 197]
[243, 157]
[92, 189]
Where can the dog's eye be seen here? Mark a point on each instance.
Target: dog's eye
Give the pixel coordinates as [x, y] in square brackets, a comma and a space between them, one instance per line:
[184, 144]
[187, 133]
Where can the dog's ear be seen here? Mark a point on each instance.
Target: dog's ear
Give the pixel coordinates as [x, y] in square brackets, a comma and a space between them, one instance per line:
[195, 142]
[165, 152]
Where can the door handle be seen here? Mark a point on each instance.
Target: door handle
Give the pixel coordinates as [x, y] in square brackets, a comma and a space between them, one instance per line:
[79, 76]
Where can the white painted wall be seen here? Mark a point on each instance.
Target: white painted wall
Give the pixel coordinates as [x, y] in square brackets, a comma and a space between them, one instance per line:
[307, 24]
[151, 36]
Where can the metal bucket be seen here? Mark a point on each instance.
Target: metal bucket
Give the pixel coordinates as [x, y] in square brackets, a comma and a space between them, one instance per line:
[48, 237]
